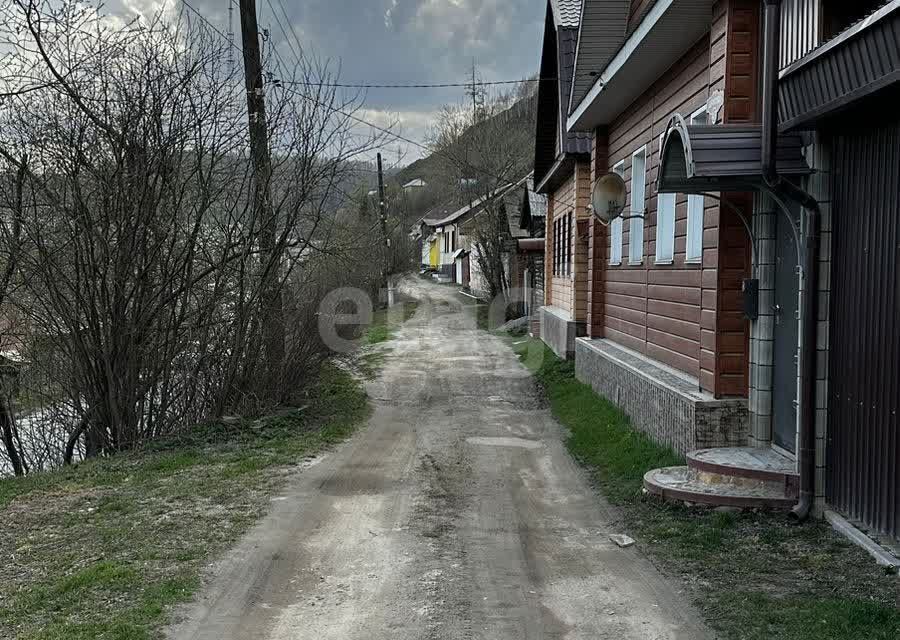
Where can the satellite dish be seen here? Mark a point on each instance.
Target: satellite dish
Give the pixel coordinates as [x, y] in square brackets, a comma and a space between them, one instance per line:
[608, 197]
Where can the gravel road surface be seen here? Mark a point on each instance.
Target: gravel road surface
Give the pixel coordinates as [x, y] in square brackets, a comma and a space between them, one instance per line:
[456, 513]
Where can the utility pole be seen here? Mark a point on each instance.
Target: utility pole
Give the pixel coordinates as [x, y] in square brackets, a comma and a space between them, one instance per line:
[271, 304]
[382, 211]
[230, 35]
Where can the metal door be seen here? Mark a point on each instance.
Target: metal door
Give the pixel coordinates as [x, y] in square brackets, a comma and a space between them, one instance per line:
[785, 349]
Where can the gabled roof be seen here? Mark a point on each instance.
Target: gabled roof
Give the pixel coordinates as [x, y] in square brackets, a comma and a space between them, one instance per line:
[566, 13]
[416, 182]
[552, 141]
[533, 205]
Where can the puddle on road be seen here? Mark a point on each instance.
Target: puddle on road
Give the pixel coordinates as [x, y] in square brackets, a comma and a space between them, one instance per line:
[521, 443]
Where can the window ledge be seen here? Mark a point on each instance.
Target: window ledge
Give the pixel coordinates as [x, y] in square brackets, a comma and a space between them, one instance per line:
[635, 263]
[663, 262]
[615, 264]
[694, 261]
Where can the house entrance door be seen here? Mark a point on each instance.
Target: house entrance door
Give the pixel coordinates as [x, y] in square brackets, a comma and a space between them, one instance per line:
[785, 349]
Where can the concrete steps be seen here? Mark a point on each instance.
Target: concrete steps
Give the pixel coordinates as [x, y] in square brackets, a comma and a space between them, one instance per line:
[729, 476]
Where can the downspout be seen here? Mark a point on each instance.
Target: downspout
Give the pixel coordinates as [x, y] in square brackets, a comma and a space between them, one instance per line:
[810, 261]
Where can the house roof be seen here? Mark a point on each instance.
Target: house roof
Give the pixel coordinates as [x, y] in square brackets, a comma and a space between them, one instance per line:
[477, 205]
[552, 141]
[627, 66]
[436, 214]
[566, 13]
[416, 182]
[534, 205]
[602, 31]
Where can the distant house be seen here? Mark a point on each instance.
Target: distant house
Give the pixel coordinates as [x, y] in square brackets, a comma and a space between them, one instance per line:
[562, 171]
[432, 239]
[527, 229]
[414, 185]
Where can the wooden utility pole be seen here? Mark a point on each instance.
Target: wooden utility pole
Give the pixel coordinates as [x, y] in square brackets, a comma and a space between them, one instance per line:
[382, 212]
[271, 304]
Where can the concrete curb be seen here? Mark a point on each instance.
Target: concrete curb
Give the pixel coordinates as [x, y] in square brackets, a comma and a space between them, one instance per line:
[882, 557]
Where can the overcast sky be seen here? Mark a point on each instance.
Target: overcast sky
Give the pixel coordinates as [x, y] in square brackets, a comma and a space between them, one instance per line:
[400, 41]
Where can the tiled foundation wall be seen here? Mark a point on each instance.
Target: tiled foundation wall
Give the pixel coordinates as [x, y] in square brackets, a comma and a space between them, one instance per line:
[667, 416]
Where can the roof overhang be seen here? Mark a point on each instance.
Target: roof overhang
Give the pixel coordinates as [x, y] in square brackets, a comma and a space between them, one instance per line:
[859, 62]
[602, 29]
[559, 172]
[531, 244]
[668, 30]
[711, 158]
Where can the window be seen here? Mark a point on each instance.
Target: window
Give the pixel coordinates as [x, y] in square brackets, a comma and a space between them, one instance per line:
[562, 245]
[665, 222]
[615, 227]
[638, 193]
[694, 249]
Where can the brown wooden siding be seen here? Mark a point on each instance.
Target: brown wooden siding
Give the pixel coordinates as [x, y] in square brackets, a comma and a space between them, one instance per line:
[686, 315]
[569, 292]
[650, 308]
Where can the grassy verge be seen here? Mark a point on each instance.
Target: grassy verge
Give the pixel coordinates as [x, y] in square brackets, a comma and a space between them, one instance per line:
[101, 550]
[753, 575]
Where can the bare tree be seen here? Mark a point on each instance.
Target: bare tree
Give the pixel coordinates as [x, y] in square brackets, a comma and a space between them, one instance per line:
[484, 148]
[132, 235]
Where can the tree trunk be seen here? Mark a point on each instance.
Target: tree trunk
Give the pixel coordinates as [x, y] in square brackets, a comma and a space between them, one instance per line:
[7, 427]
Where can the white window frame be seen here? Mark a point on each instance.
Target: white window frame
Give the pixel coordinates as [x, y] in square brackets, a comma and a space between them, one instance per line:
[637, 211]
[693, 249]
[615, 227]
[665, 220]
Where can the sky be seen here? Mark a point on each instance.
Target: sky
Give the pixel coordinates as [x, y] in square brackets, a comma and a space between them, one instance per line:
[398, 42]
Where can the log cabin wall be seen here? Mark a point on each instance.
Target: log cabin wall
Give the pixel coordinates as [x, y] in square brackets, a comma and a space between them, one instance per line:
[683, 313]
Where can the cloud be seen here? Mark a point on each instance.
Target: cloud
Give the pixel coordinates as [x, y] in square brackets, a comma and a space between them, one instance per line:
[397, 42]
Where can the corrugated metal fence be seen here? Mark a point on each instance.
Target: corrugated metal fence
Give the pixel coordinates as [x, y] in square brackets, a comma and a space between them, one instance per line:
[863, 475]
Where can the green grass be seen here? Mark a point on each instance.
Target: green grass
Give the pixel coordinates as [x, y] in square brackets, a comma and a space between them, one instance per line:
[753, 575]
[385, 322]
[103, 549]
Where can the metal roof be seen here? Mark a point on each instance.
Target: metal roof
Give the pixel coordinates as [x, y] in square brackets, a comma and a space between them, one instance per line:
[566, 13]
[476, 205]
[601, 33]
[865, 58]
[710, 158]
[667, 32]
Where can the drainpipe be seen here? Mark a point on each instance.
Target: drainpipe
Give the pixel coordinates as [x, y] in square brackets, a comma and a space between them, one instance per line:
[771, 45]
[808, 331]
[810, 260]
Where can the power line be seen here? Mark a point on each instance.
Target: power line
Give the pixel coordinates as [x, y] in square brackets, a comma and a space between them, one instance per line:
[283, 32]
[440, 85]
[372, 125]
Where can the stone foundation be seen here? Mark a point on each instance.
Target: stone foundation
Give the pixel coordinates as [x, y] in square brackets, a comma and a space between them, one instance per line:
[559, 331]
[665, 404]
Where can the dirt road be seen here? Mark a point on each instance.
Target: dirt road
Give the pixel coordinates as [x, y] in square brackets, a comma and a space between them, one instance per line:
[456, 513]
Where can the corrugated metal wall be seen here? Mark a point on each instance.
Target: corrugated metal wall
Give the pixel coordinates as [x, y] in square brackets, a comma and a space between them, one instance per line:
[863, 475]
[799, 29]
